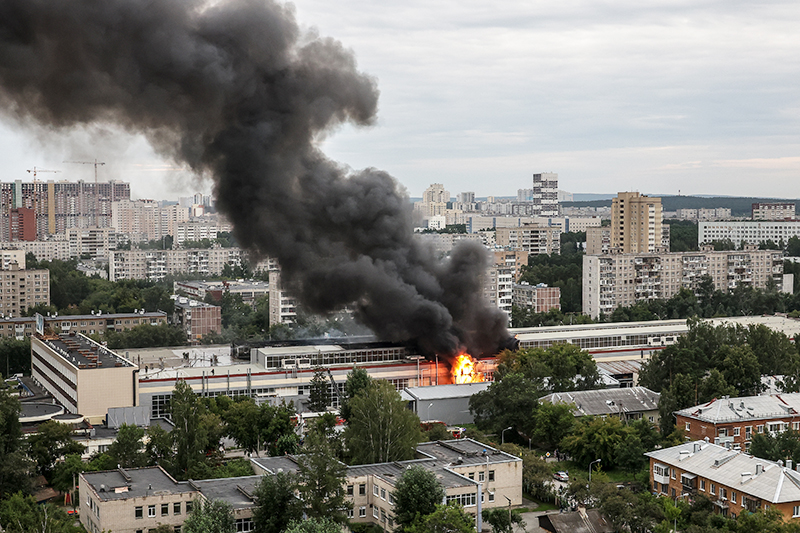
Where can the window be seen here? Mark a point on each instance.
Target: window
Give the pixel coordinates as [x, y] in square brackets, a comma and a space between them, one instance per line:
[464, 500]
[796, 511]
[672, 471]
[471, 475]
[703, 485]
[748, 432]
[375, 513]
[188, 507]
[375, 490]
[391, 498]
[362, 511]
[491, 496]
[362, 489]
[760, 428]
[688, 426]
[383, 515]
[349, 490]
[138, 512]
[350, 513]
[383, 494]
[176, 508]
[713, 489]
[481, 476]
[736, 432]
[164, 509]
[723, 432]
[733, 497]
[491, 475]
[151, 511]
[796, 426]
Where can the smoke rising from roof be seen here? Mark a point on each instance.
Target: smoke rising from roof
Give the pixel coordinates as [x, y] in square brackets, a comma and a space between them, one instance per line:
[238, 93]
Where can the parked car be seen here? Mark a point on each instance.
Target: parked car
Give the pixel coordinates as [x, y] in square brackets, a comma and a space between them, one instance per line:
[561, 476]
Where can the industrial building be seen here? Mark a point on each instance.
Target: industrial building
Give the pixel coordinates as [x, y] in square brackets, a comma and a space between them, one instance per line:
[446, 403]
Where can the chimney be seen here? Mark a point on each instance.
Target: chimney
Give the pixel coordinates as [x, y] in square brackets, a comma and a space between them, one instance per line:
[758, 469]
[789, 464]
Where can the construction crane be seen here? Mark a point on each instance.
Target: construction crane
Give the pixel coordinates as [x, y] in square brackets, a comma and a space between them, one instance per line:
[95, 163]
[35, 171]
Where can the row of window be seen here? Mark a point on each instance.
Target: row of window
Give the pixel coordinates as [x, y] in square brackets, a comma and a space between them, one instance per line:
[138, 512]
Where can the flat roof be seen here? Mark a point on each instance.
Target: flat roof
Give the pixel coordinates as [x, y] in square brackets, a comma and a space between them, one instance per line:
[127, 483]
[237, 491]
[441, 392]
[607, 401]
[83, 351]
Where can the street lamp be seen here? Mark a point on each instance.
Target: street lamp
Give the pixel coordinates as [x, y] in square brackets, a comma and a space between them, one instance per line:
[503, 435]
[429, 411]
[590, 469]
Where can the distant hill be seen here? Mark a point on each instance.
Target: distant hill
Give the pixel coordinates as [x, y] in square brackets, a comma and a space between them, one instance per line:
[740, 206]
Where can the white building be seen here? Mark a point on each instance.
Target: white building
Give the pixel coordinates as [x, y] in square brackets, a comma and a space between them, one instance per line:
[282, 306]
[748, 231]
[545, 194]
[157, 264]
[530, 238]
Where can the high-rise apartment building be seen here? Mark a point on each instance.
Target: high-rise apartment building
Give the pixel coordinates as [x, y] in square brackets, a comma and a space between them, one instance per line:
[58, 206]
[614, 280]
[498, 287]
[282, 306]
[538, 298]
[530, 238]
[775, 211]
[22, 224]
[545, 195]
[22, 289]
[155, 265]
[635, 223]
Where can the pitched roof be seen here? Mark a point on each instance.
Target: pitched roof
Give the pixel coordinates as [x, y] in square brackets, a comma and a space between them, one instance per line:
[771, 482]
[607, 401]
[720, 410]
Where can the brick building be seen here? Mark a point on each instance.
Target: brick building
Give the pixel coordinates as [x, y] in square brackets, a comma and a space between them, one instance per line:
[197, 319]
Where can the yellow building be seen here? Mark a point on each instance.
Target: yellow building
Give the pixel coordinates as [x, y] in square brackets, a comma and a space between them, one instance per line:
[635, 223]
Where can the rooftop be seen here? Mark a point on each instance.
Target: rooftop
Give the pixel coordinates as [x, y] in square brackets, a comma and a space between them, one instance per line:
[237, 491]
[770, 482]
[721, 410]
[127, 483]
[607, 401]
[188, 303]
[83, 352]
[439, 392]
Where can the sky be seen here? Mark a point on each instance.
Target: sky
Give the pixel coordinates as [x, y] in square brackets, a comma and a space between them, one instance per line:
[661, 97]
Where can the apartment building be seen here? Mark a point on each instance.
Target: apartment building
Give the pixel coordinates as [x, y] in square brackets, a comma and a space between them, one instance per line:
[742, 232]
[282, 306]
[145, 220]
[545, 194]
[197, 319]
[12, 257]
[598, 240]
[472, 474]
[530, 238]
[58, 206]
[498, 286]
[157, 264]
[614, 280]
[538, 298]
[734, 481]
[773, 211]
[516, 260]
[20, 327]
[734, 421]
[197, 230]
[21, 289]
[94, 242]
[249, 290]
[22, 224]
[443, 243]
[43, 250]
[635, 223]
[83, 376]
[716, 213]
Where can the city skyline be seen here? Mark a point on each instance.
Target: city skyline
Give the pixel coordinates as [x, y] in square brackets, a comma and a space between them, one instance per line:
[696, 98]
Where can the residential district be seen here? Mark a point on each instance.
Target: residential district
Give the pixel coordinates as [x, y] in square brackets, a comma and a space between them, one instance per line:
[160, 378]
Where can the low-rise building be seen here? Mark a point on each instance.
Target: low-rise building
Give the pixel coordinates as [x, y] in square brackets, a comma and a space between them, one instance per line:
[627, 403]
[21, 327]
[735, 421]
[84, 377]
[446, 403]
[734, 481]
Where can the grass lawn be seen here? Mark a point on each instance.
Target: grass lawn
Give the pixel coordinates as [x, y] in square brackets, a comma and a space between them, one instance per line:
[542, 506]
[582, 472]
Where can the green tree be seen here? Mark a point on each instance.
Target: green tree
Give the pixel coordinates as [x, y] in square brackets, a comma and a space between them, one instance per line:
[416, 494]
[503, 521]
[159, 448]
[208, 516]
[276, 504]
[358, 380]
[629, 454]
[314, 525]
[550, 423]
[596, 438]
[52, 441]
[449, 518]
[741, 369]
[537, 477]
[21, 514]
[318, 398]
[146, 336]
[14, 464]
[15, 356]
[321, 480]
[381, 429]
[793, 246]
[188, 434]
[128, 448]
[507, 402]
[66, 472]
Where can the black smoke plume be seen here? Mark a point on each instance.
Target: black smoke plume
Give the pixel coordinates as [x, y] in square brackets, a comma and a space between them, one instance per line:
[237, 92]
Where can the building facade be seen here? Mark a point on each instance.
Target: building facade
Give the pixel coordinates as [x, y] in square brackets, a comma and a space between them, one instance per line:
[154, 265]
[197, 319]
[86, 378]
[741, 232]
[538, 298]
[498, 286]
[94, 243]
[530, 238]
[635, 223]
[282, 306]
[21, 289]
[614, 280]
[545, 195]
[773, 211]
[734, 481]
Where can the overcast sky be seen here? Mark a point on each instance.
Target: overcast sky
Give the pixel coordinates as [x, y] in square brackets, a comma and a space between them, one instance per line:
[700, 97]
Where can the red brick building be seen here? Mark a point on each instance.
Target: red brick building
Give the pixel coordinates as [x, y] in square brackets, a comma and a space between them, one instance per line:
[736, 420]
[197, 319]
[22, 224]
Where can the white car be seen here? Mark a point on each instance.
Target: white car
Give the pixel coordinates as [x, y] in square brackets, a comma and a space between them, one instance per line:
[561, 476]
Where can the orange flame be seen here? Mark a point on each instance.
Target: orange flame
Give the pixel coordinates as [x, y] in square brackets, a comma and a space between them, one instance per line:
[464, 370]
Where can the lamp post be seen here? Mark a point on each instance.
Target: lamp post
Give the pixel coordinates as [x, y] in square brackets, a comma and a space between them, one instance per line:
[429, 411]
[503, 435]
[590, 469]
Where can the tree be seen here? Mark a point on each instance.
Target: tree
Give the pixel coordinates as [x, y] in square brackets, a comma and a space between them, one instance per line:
[537, 477]
[276, 504]
[381, 429]
[449, 518]
[128, 449]
[416, 493]
[741, 369]
[550, 423]
[188, 434]
[14, 464]
[508, 402]
[358, 380]
[793, 246]
[630, 454]
[321, 479]
[21, 514]
[15, 355]
[66, 472]
[52, 441]
[318, 398]
[502, 521]
[314, 525]
[207, 516]
[596, 438]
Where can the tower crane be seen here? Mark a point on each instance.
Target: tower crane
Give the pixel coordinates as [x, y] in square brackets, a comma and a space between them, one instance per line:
[36, 171]
[95, 163]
